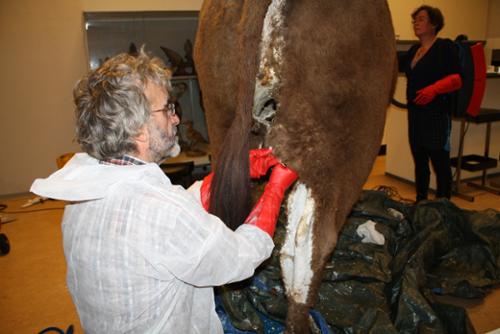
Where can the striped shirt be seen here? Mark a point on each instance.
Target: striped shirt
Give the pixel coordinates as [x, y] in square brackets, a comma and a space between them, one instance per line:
[125, 160]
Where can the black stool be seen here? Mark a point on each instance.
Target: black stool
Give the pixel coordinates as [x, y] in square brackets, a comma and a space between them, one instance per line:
[474, 162]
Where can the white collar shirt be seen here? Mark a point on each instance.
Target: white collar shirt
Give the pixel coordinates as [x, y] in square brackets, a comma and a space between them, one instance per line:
[142, 254]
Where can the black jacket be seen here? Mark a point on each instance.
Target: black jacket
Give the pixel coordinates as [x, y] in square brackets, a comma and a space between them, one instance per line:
[430, 125]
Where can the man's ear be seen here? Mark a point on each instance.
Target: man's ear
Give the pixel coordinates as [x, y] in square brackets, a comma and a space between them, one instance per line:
[143, 136]
[142, 143]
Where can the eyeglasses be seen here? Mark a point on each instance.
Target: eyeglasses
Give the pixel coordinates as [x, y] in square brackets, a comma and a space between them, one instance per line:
[422, 18]
[168, 109]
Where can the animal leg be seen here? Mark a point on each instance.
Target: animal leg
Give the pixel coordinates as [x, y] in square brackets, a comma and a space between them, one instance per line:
[297, 318]
[296, 257]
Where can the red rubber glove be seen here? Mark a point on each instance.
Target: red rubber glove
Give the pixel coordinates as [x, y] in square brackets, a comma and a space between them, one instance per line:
[448, 84]
[205, 190]
[260, 161]
[265, 213]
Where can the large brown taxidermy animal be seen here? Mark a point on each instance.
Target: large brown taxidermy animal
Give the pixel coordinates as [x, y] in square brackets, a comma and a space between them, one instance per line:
[312, 80]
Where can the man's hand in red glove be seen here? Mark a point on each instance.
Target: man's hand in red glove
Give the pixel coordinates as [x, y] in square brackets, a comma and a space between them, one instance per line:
[265, 213]
[448, 84]
[205, 190]
[260, 161]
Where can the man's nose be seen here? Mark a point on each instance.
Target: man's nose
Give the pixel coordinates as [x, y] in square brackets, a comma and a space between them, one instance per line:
[175, 119]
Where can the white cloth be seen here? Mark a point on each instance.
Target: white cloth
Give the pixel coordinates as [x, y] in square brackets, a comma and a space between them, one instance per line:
[396, 214]
[369, 234]
[142, 255]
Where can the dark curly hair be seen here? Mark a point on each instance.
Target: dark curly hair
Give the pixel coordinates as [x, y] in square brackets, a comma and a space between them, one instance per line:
[435, 16]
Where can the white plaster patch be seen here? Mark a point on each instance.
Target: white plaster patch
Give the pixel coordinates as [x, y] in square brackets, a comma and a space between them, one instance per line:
[296, 253]
[271, 51]
[272, 34]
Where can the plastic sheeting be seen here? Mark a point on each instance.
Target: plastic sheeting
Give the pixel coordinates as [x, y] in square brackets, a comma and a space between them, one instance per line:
[431, 248]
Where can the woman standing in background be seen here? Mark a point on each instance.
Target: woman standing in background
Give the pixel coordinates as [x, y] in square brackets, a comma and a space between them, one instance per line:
[432, 72]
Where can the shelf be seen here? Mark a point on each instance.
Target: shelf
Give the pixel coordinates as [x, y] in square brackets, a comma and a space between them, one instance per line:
[492, 75]
[474, 163]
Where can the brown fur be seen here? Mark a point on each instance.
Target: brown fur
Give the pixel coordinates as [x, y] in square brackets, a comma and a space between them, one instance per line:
[337, 79]
[231, 101]
[332, 112]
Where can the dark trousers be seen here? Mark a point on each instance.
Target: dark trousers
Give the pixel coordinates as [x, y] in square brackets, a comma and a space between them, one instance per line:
[440, 160]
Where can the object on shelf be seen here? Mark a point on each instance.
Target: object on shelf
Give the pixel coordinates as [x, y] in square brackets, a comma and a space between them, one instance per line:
[178, 64]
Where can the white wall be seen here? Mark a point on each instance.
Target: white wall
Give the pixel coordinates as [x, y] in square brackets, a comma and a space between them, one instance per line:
[43, 55]
[460, 16]
[138, 5]
[493, 30]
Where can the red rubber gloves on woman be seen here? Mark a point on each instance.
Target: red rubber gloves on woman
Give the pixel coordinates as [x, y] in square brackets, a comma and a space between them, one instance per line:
[264, 214]
[448, 84]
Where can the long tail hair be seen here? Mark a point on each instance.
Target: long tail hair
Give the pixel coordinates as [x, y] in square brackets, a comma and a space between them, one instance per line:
[230, 189]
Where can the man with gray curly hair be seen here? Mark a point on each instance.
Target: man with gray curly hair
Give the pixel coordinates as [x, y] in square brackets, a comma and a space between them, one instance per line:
[117, 100]
[142, 254]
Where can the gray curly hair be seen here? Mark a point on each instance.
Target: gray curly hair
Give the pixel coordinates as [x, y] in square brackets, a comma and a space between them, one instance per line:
[111, 107]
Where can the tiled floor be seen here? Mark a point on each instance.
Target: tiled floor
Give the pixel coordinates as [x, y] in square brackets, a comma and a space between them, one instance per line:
[33, 292]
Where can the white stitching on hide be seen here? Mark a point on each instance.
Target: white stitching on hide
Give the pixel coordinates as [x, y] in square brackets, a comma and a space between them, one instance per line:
[271, 51]
[296, 253]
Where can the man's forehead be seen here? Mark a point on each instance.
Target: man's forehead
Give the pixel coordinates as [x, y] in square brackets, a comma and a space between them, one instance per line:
[156, 94]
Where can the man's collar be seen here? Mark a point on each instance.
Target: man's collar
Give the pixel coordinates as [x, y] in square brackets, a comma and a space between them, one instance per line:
[125, 160]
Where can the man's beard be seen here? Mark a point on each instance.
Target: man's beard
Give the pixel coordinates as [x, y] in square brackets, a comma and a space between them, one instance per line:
[161, 145]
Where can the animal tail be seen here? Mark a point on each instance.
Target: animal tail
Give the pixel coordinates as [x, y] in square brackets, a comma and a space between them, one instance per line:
[230, 191]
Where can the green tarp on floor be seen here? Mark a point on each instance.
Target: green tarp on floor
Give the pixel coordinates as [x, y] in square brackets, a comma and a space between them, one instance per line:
[431, 248]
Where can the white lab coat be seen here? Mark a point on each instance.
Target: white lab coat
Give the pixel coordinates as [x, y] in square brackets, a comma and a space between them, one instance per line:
[142, 254]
